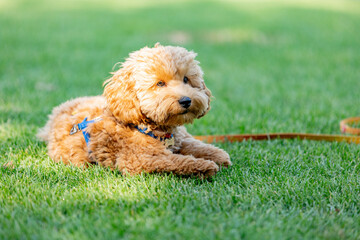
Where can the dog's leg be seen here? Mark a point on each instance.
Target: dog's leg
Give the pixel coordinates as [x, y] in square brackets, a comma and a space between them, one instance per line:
[198, 149]
[168, 162]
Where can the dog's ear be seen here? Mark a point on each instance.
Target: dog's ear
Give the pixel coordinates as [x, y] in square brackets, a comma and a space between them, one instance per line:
[209, 95]
[121, 96]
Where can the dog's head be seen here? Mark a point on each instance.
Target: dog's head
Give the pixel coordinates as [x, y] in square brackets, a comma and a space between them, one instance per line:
[163, 85]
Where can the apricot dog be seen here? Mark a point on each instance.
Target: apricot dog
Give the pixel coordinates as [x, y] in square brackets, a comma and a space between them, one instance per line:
[137, 125]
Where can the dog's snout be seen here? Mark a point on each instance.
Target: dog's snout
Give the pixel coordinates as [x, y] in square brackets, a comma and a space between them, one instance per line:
[185, 102]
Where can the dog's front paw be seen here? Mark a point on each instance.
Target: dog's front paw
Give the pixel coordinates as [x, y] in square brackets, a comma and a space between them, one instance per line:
[207, 168]
[211, 170]
[221, 158]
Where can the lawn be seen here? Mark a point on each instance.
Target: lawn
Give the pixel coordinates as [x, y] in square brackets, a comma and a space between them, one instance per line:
[273, 66]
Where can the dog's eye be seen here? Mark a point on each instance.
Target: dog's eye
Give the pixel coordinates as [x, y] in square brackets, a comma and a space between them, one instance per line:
[186, 80]
[161, 83]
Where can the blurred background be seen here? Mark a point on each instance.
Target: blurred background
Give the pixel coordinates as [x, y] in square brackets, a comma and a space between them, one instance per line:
[271, 65]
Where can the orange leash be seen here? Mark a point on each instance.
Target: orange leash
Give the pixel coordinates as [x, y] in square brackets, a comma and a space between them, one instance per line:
[344, 126]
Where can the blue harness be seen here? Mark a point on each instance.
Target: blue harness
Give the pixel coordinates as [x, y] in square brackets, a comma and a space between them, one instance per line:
[82, 126]
[167, 139]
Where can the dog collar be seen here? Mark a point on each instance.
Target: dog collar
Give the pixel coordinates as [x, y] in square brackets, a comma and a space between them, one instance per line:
[168, 139]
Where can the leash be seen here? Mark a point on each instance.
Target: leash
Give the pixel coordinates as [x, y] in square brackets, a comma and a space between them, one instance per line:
[344, 127]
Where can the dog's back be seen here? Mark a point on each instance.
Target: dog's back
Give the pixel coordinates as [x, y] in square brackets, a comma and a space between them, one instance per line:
[67, 109]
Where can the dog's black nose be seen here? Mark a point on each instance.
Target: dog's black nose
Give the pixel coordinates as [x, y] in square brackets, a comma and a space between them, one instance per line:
[185, 102]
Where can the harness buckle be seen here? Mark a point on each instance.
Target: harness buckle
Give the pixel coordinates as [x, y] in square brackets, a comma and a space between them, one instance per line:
[74, 129]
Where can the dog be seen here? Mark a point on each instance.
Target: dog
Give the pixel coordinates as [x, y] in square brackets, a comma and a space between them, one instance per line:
[137, 124]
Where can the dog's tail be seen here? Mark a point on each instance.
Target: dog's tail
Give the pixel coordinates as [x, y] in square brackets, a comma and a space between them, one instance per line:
[44, 132]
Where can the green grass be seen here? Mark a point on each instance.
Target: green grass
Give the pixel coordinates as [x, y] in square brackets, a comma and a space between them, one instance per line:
[272, 66]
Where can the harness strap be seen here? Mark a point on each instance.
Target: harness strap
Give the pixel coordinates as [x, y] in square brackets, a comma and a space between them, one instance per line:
[82, 126]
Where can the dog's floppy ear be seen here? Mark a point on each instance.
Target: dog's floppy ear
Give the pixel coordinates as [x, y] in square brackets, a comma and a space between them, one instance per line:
[121, 97]
[209, 95]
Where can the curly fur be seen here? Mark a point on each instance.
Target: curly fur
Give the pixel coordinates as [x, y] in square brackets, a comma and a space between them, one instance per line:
[131, 97]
